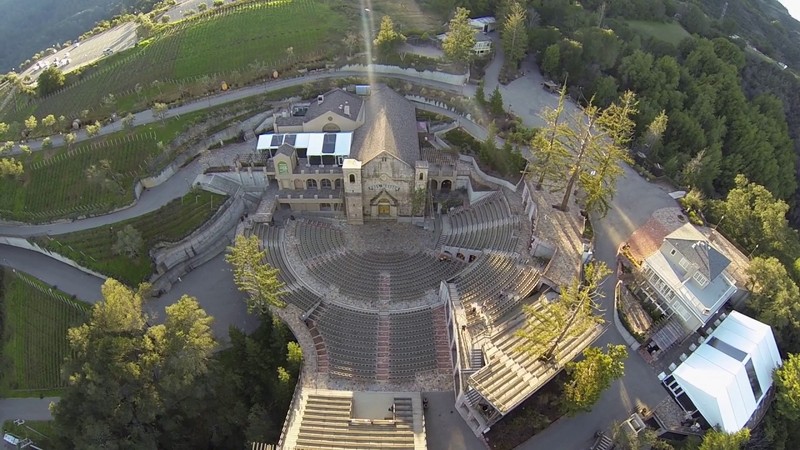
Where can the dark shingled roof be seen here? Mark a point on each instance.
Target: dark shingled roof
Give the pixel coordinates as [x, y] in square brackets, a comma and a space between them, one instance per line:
[390, 125]
[693, 246]
[289, 121]
[331, 102]
[285, 149]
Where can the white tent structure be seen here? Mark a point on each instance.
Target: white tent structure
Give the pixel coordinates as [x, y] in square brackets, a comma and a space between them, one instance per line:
[728, 376]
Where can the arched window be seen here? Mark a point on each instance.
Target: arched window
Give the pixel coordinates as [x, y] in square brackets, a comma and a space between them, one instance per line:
[283, 167]
[325, 183]
[421, 177]
[311, 184]
[338, 183]
[331, 128]
[352, 178]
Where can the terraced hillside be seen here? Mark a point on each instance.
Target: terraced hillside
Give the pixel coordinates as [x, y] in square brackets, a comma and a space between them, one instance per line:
[232, 44]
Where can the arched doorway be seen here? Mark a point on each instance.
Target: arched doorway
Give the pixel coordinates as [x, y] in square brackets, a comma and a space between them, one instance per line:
[311, 184]
[384, 208]
[434, 185]
[325, 183]
[337, 183]
[298, 184]
[447, 185]
[331, 128]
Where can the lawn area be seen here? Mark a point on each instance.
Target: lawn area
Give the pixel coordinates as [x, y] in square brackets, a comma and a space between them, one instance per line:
[237, 43]
[39, 431]
[170, 223]
[671, 32]
[35, 322]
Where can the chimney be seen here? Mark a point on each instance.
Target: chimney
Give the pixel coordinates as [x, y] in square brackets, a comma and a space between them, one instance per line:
[347, 110]
[320, 99]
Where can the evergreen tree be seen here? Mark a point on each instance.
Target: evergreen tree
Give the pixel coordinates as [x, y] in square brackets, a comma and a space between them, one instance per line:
[480, 93]
[496, 103]
[592, 375]
[460, 39]
[514, 35]
[132, 386]
[254, 276]
[388, 39]
[550, 155]
[550, 323]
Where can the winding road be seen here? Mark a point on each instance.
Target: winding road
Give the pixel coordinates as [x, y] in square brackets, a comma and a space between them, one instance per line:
[211, 283]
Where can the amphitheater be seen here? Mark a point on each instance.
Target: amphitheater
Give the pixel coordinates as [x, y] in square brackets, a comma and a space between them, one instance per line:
[390, 300]
[400, 309]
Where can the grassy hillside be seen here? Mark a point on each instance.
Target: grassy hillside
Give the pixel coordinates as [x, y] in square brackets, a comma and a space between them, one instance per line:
[170, 223]
[35, 322]
[56, 183]
[236, 44]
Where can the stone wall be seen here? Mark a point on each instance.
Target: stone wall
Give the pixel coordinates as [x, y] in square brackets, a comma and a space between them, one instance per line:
[456, 80]
[24, 244]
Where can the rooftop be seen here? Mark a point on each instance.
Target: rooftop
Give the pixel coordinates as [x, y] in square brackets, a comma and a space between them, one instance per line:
[334, 101]
[694, 246]
[561, 230]
[729, 375]
[705, 300]
[390, 126]
[511, 376]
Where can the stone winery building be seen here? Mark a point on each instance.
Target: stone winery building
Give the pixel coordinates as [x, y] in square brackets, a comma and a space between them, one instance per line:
[356, 154]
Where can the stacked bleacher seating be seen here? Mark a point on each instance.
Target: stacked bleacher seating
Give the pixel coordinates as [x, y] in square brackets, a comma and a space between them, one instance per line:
[326, 424]
[360, 276]
[315, 238]
[494, 284]
[488, 224]
[350, 338]
[411, 343]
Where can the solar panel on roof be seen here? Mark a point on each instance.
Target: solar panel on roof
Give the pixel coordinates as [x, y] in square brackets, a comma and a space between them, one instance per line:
[290, 139]
[329, 143]
[277, 140]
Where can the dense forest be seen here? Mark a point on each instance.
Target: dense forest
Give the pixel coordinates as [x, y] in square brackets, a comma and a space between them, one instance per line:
[133, 385]
[29, 26]
[731, 110]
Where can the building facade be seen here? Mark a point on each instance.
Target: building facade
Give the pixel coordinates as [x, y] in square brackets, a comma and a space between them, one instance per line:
[359, 156]
[687, 278]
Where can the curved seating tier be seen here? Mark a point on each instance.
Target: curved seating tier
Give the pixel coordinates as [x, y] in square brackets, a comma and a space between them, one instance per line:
[315, 238]
[295, 293]
[350, 338]
[493, 285]
[489, 224]
[503, 382]
[412, 343]
[367, 346]
[389, 276]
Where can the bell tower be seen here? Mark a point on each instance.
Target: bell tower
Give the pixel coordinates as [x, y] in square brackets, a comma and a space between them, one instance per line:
[353, 195]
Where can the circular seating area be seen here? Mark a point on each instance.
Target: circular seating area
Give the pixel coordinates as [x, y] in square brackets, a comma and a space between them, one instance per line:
[382, 276]
[379, 342]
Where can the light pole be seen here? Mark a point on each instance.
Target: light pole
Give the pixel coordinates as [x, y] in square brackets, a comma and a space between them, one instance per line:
[720, 221]
[751, 253]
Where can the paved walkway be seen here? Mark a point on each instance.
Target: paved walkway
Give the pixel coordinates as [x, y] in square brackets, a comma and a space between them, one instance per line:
[145, 117]
[26, 408]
